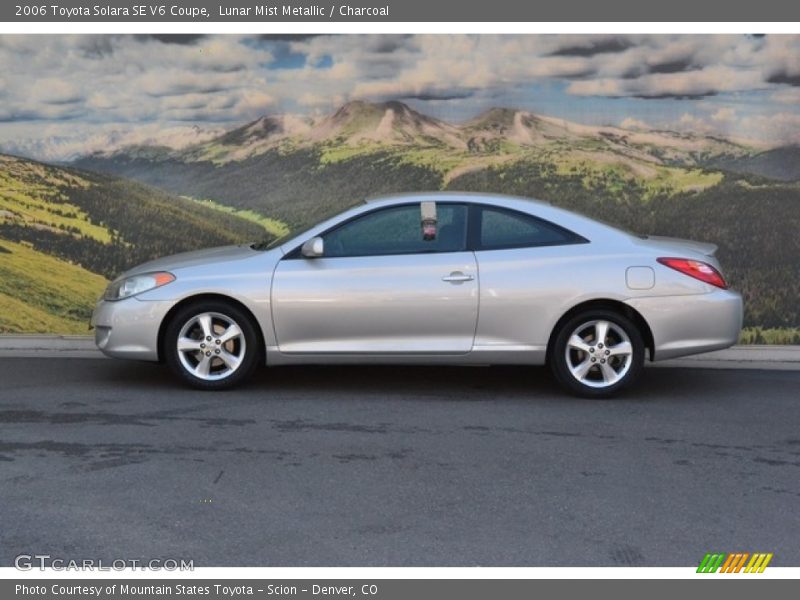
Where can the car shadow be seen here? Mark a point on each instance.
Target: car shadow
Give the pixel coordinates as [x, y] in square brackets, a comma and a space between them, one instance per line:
[452, 383]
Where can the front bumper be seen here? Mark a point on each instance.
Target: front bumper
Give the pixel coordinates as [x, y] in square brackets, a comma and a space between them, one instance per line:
[129, 328]
[691, 324]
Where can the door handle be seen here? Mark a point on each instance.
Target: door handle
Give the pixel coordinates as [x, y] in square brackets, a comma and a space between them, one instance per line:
[457, 277]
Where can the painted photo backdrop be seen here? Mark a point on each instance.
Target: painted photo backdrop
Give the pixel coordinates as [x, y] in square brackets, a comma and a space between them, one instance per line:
[118, 149]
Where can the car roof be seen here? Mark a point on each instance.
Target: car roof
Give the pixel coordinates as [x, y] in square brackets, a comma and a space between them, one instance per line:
[476, 197]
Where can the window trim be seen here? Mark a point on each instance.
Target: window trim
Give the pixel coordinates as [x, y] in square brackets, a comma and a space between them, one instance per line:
[475, 225]
[296, 252]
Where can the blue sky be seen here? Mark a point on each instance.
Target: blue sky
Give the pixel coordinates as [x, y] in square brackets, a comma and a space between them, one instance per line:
[66, 95]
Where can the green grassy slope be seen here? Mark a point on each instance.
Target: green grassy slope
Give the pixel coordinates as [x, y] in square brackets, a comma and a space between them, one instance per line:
[40, 293]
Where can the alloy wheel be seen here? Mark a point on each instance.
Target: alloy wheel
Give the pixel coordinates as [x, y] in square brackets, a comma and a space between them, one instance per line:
[211, 346]
[599, 353]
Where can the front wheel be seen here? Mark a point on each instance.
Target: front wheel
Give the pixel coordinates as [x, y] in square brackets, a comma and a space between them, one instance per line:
[211, 345]
[597, 353]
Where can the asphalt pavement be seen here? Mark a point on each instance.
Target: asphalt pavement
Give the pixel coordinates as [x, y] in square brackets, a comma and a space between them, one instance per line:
[388, 466]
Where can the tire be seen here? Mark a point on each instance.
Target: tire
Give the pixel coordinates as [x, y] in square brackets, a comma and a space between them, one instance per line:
[221, 362]
[593, 368]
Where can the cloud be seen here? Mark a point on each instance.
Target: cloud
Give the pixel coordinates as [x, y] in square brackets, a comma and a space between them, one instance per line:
[784, 77]
[440, 95]
[180, 39]
[631, 123]
[726, 114]
[63, 143]
[317, 101]
[53, 90]
[692, 123]
[708, 81]
[286, 37]
[782, 127]
[96, 46]
[787, 96]
[592, 47]
[254, 103]
[673, 66]
[134, 81]
[761, 129]
[175, 82]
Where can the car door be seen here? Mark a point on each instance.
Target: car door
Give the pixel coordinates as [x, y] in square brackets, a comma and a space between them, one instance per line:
[386, 283]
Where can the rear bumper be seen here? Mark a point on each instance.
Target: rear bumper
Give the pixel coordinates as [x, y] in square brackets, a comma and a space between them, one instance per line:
[129, 328]
[684, 325]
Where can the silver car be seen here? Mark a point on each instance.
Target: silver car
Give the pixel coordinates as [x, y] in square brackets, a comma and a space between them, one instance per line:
[434, 278]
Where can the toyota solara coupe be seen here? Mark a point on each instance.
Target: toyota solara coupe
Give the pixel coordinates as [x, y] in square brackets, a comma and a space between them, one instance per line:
[439, 278]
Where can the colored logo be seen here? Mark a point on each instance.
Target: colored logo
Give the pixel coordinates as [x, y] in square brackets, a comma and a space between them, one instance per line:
[738, 562]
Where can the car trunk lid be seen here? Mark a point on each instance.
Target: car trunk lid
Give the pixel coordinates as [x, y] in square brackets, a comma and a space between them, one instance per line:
[676, 245]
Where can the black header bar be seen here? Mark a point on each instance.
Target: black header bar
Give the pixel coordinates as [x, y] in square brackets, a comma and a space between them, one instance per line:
[468, 11]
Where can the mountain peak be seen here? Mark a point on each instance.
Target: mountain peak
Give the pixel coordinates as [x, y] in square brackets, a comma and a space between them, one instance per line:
[265, 128]
[358, 109]
[388, 122]
[261, 128]
[362, 105]
[502, 117]
[501, 123]
[496, 117]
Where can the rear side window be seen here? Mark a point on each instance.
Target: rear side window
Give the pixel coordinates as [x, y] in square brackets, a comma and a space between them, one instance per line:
[503, 228]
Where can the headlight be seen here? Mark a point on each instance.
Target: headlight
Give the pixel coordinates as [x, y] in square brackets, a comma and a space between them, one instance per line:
[136, 284]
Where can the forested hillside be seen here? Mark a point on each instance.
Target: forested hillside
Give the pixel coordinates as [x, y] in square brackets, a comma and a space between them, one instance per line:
[781, 163]
[64, 232]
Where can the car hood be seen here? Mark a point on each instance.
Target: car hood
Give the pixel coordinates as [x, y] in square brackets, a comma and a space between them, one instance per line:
[185, 260]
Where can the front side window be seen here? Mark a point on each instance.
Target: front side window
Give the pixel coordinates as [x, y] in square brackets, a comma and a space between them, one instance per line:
[501, 228]
[403, 229]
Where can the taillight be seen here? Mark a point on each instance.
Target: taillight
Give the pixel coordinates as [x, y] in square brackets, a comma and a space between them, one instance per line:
[697, 269]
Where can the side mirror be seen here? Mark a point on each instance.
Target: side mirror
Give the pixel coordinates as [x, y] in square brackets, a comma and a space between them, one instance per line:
[313, 248]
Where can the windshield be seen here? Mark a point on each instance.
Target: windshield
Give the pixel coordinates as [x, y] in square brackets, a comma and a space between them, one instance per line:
[269, 244]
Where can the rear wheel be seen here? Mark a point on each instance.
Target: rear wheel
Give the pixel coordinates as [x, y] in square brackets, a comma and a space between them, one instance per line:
[212, 345]
[597, 353]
